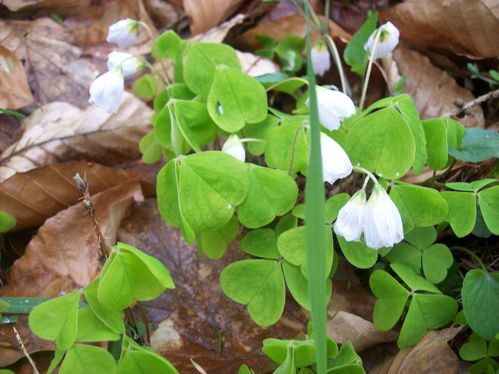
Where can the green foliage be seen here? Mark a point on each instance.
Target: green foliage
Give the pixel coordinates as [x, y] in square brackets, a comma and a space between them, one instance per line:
[480, 297]
[441, 134]
[428, 307]
[477, 145]
[166, 45]
[7, 221]
[476, 349]
[146, 87]
[84, 359]
[355, 55]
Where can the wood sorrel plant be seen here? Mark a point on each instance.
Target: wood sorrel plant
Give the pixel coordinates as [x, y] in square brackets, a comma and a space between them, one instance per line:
[233, 162]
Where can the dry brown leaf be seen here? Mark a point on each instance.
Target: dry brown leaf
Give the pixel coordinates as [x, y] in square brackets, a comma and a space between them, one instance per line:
[289, 25]
[196, 320]
[56, 5]
[205, 14]
[352, 299]
[14, 90]
[218, 33]
[256, 65]
[10, 351]
[10, 127]
[347, 326]
[64, 253]
[61, 132]
[430, 355]
[466, 27]
[163, 13]
[36, 195]
[54, 66]
[433, 90]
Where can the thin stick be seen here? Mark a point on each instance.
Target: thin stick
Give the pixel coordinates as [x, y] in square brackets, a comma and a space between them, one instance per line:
[21, 344]
[462, 109]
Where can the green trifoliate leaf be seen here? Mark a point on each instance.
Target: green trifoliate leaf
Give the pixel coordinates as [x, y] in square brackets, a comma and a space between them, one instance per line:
[286, 147]
[369, 143]
[84, 359]
[146, 87]
[259, 131]
[110, 317]
[474, 349]
[421, 237]
[260, 243]
[144, 362]
[214, 243]
[477, 145]
[131, 275]
[199, 192]
[419, 206]
[436, 143]
[303, 351]
[166, 45]
[489, 206]
[462, 211]
[480, 297]
[200, 64]
[236, 99]
[347, 361]
[271, 193]
[291, 246]
[259, 284]
[437, 258]
[358, 253]
[92, 329]
[57, 319]
[405, 254]
[150, 149]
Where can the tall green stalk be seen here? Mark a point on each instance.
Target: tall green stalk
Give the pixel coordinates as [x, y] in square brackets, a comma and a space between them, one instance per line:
[314, 222]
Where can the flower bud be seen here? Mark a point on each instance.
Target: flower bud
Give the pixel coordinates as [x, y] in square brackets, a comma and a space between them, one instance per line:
[382, 221]
[349, 223]
[124, 33]
[107, 90]
[335, 162]
[333, 106]
[387, 40]
[234, 147]
[320, 59]
[127, 62]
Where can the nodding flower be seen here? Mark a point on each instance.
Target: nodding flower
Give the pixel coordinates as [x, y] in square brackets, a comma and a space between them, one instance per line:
[335, 161]
[321, 60]
[107, 90]
[388, 38]
[333, 106]
[350, 221]
[234, 147]
[128, 63]
[124, 33]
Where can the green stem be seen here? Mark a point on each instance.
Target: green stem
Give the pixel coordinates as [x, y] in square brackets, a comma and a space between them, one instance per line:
[472, 255]
[359, 169]
[314, 220]
[293, 150]
[369, 67]
[336, 56]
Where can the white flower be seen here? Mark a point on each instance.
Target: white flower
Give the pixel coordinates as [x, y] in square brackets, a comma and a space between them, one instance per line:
[382, 221]
[124, 32]
[320, 59]
[333, 107]
[127, 62]
[350, 221]
[234, 147]
[335, 162]
[388, 40]
[107, 90]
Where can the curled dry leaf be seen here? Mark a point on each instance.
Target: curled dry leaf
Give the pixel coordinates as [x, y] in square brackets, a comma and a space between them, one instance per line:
[205, 14]
[55, 67]
[61, 132]
[347, 326]
[430, 355]
[196, 320]
[163, 13]
[55, 5]
[255, 65]
[433, 90]
[218, 33]
[63, 255]
[36, 195]
[10, 351]
[14, 90]
[463, 26]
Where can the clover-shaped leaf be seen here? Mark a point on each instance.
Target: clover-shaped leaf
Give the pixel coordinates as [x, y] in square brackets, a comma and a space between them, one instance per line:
[358, 253]
[92, 329]
[84, 359]
[462, 211]
[271, 193]
[214, 243]
[110, 317]
[260, 243]
[347, 361]
[480, 296]
[489, 206]
[57, 319]
[130, 275]
[301, 352]
[428, 309]
[236, 99]
[199, 192]
[474, 349]
[259, 284]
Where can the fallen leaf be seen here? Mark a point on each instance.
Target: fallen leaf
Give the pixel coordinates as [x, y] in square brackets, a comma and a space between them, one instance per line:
[462, 26]
[10, 128]
[196, 320]
[255, 65]
[163, 13]
[218, 33]
[10, 351]
[430, 355]
[63, 255]
[205, 14]
[14, 91]
[38, 194]
[347, 326]
[61, 132]
[354, 299]
[55, 68]
[56, 5]
[432, 89]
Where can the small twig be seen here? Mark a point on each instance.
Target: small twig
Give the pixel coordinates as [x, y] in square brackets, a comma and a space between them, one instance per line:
[84, 188]
[21, 344]
[464, 107]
